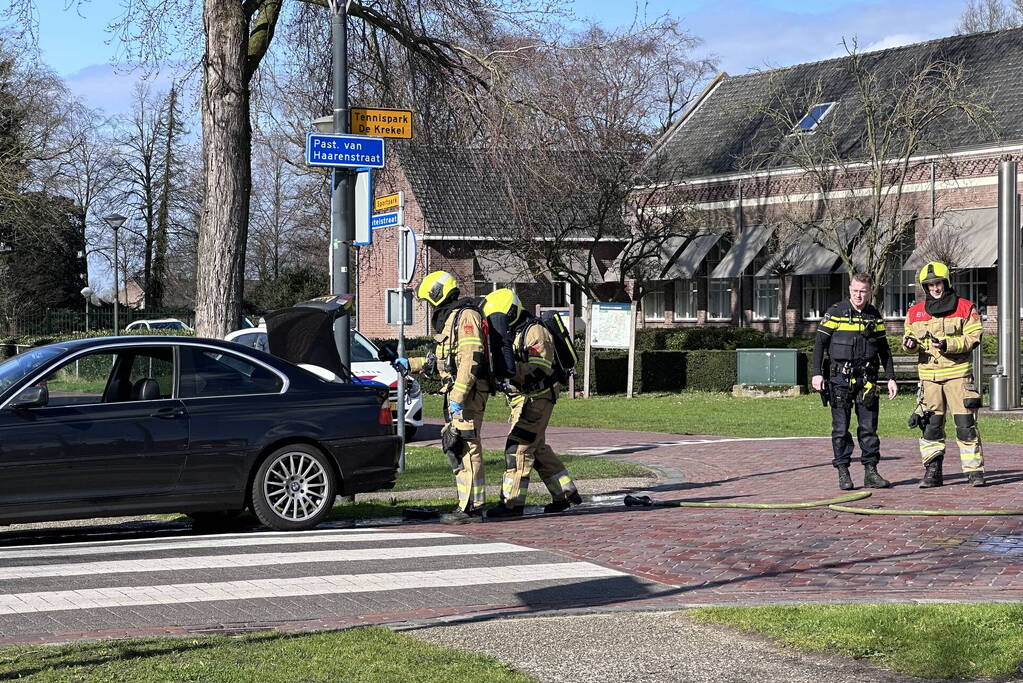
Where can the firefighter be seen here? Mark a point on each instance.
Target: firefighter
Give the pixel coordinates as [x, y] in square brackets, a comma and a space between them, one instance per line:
[944, 328]
[460, 360]
[524, 364]
[852, 335]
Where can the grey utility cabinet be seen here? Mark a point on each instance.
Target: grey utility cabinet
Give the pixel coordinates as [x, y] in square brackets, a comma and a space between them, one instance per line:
[768, 366]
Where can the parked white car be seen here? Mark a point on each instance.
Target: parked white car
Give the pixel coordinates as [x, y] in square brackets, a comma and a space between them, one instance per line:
[366, 364]
[158, 324]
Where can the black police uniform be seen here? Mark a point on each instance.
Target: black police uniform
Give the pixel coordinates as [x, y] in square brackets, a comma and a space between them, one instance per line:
[857, 349]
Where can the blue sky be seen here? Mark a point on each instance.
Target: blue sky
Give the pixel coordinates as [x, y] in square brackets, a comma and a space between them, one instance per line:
[743, 34]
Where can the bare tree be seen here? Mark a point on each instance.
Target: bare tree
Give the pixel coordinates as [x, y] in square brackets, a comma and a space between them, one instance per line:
[989, 15]
[856, 160]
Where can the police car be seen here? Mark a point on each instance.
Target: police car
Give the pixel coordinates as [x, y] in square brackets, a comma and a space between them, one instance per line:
[366, 364]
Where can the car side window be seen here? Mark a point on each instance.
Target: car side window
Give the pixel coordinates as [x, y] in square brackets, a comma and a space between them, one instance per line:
[254, 340]
[206, 373]
[362, 352]
[81, 381]
[154, 365]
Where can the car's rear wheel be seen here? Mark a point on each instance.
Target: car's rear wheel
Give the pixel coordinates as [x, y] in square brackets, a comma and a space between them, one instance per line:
[294, 488]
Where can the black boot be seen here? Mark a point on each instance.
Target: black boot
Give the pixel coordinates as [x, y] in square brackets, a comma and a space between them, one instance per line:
[844, 480]
[976, 479]
[501, 510]
[932, 475]
[872, 479]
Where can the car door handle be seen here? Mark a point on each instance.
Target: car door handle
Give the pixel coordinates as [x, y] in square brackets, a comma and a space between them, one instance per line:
[168, 413]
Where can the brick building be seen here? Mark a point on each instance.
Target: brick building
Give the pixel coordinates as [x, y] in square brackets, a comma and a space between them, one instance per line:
[744, 271]
[748, 261]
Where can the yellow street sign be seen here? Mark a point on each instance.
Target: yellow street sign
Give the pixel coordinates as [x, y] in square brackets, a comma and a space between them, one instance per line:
[388, 201]
[381, 123]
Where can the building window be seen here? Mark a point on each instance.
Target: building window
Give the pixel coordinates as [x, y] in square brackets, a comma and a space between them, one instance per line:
[816, 292]
[719, 299]
[719, 290]
[559, 294]
[817, 112]
[765, 304]
[653, 304]
[685, 300]
[972, 284]
[900, 291]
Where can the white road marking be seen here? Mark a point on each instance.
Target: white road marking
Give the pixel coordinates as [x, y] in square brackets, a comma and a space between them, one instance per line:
[255, 560]
[194, 542]
[130, 596]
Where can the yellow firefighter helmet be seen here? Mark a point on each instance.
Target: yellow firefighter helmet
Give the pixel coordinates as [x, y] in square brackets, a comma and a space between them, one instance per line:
[935, 271]
[503, 301]
[437, 287]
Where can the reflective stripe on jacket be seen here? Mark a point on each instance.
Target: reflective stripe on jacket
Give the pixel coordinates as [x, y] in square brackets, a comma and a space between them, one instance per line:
[962, 331]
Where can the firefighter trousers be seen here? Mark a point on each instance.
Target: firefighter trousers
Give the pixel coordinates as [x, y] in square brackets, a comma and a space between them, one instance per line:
[469, 480]
[959, 398]
[848, 396]
[527, 448]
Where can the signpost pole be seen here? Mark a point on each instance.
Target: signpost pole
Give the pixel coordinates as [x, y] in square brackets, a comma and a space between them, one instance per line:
[400, 235]
[632, 349]
[342, 196]
[586, 366]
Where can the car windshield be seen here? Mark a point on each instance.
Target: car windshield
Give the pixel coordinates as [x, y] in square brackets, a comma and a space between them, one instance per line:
[362, 350]
[18, 367]
[175, 325]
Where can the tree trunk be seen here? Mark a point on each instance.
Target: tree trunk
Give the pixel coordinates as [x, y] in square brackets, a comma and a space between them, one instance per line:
[227, 167]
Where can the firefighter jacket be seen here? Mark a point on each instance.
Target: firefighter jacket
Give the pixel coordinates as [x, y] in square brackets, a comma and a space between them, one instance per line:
[855, 337]
[461, 356]
[961, 329]
[534, 362]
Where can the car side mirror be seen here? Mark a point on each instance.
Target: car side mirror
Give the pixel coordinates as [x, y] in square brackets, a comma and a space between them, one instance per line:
[35, 396]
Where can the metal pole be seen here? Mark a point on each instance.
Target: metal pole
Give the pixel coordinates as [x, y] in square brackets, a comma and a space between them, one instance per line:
[1005, 391]
[400, 234]
[117, 287]
[86, 314]
[342, 196]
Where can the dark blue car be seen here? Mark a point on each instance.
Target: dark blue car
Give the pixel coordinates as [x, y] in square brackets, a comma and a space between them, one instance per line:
[133, 425]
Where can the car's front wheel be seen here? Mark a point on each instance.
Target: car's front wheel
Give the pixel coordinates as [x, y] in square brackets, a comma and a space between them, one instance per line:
[294, 488]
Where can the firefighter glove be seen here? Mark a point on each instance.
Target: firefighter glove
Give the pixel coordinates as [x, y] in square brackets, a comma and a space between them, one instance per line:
[941, 345]
[455, 408]
[401, 365]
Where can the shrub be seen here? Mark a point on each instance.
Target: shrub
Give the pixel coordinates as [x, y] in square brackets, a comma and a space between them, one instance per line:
[710, 370]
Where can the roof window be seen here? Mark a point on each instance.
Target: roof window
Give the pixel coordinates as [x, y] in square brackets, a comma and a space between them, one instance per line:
[817, 112]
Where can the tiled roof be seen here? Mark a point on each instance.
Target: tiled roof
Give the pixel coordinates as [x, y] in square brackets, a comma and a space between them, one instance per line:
[722, 133]
[480, 192]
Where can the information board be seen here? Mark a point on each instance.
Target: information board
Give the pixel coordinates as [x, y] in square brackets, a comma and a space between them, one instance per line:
[610, 325]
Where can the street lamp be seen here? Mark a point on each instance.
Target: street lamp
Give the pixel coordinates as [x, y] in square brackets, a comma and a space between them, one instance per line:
[87, 293]
[115, 221]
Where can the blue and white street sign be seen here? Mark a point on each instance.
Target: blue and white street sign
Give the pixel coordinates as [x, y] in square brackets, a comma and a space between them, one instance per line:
[340, 150]
[385, 220]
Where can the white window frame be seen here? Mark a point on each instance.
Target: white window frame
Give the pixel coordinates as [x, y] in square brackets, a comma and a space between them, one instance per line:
[717, 287]
[653, 304]
[814, 286]
[968, 283]
[796, 130]
[686, 299]
[762, 285]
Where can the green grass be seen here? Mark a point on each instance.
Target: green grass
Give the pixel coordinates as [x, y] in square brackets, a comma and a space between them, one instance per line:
[933, 641]
[364, 654]
[429, 468]
[726, 415]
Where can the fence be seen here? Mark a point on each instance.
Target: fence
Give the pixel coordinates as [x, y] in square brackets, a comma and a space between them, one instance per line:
[64, 321]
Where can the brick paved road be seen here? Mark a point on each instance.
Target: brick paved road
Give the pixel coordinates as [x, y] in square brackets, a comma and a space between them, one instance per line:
[601, 556]
[748, 556]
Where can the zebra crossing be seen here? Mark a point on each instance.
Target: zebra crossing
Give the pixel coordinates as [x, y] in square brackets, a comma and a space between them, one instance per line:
[206, 581]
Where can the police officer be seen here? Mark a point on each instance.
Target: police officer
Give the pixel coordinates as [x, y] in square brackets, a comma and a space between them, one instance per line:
[852, 335]
[461, 363]
[944, 328]
[524, 363]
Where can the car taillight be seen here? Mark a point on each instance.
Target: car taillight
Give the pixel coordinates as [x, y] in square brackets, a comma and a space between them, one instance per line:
[384, 416]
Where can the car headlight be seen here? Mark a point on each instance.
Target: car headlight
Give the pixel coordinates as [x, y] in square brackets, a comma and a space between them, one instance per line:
[412, 389]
